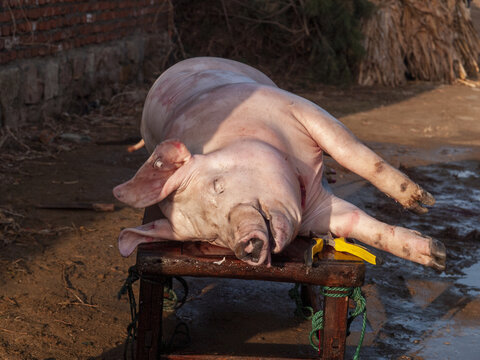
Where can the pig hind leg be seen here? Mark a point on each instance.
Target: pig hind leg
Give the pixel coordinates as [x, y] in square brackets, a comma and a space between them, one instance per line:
[349, 221]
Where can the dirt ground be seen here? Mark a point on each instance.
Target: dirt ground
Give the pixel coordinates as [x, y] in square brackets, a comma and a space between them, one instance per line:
[61, 270]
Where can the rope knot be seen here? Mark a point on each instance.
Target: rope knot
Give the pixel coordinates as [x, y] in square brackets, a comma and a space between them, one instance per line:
[317, 318]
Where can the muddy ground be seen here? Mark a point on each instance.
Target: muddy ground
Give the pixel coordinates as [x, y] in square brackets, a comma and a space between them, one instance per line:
[61, 270]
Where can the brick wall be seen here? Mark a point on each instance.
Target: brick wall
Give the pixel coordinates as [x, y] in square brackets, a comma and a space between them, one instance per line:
[31, 28]
[56, 54]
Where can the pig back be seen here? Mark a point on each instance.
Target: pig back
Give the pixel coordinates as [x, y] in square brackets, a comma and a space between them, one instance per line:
[185, 82]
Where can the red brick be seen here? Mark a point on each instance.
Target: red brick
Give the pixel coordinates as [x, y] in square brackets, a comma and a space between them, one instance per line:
[113, 5]
[69, 33]
[64, 22]
[80, 8]
[74, 20]
[40, 37]
[4, 16]
[34, 13]
[6, 30]
[24, 26]
[25, 53]
[58, 10]
[61, 35]
[16, 13]
[43, 25]
[26, 39]
[107, 15]
[111, 26]
[48, 11]
[104, 5]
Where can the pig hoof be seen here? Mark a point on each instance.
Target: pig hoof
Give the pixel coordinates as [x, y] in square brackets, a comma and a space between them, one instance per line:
[418, 209]
[425, 198]
[249, 250]
[439, 255]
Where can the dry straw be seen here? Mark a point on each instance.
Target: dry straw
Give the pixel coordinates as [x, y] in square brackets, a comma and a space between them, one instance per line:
[433, 41]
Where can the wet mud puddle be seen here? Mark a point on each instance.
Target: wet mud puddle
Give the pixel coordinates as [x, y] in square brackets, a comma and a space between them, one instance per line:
[418, 313]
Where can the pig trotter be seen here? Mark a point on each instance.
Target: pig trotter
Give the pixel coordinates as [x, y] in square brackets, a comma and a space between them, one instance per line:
[417, 209]
[424, 198]
[427, 198]
[249, 250]
[439, 255]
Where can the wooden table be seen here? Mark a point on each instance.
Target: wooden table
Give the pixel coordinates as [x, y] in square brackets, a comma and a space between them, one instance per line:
[158, 262]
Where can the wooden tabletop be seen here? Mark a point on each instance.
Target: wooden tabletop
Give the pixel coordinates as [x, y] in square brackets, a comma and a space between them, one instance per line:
[200, 259]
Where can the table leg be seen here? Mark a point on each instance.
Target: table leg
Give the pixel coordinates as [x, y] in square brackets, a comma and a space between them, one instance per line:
[149, 332]
[334, 327]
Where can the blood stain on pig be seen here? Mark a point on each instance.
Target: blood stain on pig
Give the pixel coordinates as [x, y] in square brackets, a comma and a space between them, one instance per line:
[178, 145]
[303, 192]
[354, 219]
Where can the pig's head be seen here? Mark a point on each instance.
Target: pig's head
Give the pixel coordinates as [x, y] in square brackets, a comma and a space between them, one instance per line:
[245, 196]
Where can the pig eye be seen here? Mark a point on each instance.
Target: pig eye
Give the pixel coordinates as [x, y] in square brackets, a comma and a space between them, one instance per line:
[218, 185]
[158, 164]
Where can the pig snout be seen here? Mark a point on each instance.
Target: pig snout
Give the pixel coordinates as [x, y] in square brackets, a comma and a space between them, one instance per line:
[253, 249]
[250, 235]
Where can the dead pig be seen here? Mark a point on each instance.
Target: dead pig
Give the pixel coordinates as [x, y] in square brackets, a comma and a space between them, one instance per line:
[237, 162]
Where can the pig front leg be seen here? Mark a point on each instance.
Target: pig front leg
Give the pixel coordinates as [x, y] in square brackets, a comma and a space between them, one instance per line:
[346, 220]
[333, 137]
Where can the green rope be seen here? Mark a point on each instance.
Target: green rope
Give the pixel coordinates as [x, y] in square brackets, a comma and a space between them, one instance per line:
[170, 299]
[361, 307]
[317, 319]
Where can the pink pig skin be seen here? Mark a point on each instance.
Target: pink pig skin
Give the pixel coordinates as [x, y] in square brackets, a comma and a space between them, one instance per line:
[237, 162]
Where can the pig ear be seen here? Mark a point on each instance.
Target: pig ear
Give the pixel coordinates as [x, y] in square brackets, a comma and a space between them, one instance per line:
[282, 231]
[130, 238]
[148, 186]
